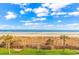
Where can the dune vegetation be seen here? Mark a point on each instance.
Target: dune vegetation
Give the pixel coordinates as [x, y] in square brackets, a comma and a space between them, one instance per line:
[38, 45]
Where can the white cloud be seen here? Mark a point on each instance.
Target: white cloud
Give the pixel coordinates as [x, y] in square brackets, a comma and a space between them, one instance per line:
[3, 26]
[28, 9]
[24, 4]
[38, 25]
[65, 14]
[59, 13]
[41, 11]
[42, 14]
[53, 13]
[45, 4]
[10, 15]
[59, 21]
[78, 8]
[55, 6]
[39, 1]
[21, 5]
[25, 10]
[25, 21]
[73, 13]
[72, 26]
[45, 26]
[39, 19]
[22, 12]
[31, 24]
[33, 20]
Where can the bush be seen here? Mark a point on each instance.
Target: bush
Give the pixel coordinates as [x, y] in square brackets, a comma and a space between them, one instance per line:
[3, 44]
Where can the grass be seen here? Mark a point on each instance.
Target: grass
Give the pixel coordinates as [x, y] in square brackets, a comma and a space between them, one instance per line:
[29, 51]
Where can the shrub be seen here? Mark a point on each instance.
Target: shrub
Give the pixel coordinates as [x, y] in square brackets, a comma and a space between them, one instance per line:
[3, 44]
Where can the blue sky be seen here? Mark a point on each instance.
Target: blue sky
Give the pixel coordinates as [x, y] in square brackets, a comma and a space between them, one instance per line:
[47, 16]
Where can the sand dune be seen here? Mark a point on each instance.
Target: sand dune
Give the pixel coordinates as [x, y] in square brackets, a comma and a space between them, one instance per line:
[35, 38]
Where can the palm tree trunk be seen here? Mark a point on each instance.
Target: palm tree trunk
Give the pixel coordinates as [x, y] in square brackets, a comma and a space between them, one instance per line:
[24, 45]
[6, 45]
[63, 44]
[38, 47]
[9, 48]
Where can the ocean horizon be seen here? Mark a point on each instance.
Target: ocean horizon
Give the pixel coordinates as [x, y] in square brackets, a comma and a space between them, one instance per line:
[39, 30]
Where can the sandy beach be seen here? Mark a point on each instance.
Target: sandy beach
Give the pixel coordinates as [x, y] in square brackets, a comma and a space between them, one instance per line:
[41, 33]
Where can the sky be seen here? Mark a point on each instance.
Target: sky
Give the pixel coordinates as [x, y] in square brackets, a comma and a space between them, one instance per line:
[39, 16]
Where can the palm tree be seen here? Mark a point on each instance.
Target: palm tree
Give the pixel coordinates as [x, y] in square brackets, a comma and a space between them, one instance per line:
[64, 37]
[2, 42]
[49, 42]
[7, 38]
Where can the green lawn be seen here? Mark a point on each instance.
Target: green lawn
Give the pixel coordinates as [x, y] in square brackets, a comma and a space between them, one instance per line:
[29, 51]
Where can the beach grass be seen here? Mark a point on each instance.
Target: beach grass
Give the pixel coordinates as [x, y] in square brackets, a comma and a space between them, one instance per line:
[30, 51]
